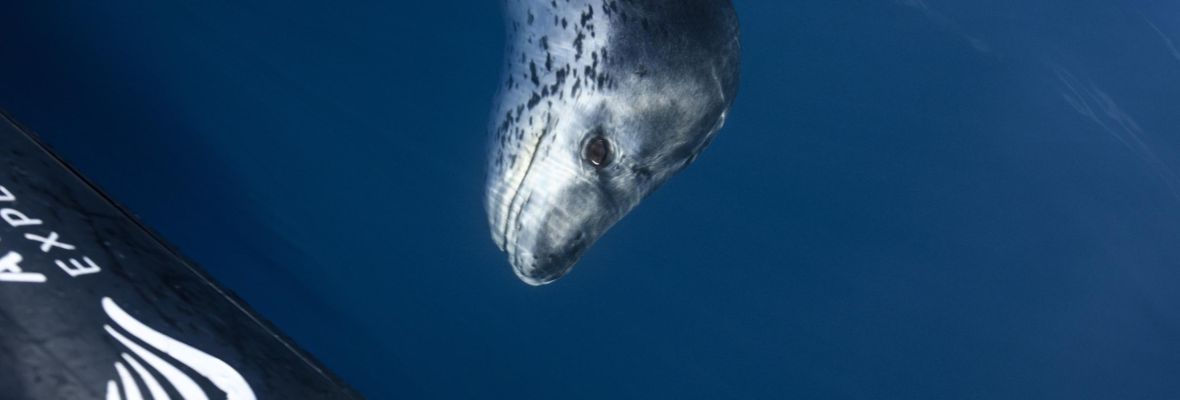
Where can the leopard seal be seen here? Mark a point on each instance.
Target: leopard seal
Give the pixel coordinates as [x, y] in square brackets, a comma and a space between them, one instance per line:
[602, 101]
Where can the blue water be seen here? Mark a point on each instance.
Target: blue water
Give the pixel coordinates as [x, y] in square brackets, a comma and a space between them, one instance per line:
[911, 199]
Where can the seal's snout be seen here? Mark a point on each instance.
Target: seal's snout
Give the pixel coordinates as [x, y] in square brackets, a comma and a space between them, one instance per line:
[542, 270]
[544, 261]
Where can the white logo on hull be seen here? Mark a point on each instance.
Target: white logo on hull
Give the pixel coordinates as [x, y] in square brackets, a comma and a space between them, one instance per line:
[132, 373]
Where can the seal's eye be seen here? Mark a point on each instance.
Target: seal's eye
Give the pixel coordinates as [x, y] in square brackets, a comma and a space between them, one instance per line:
[597, 152]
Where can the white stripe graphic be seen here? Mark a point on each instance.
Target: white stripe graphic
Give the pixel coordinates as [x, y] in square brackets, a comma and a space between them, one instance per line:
[188, 389]
[113, 391]
[153, 385]
[222, 375]
[129, 386]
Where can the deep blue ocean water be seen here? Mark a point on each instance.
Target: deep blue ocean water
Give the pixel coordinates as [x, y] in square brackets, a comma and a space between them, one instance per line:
[911, 199]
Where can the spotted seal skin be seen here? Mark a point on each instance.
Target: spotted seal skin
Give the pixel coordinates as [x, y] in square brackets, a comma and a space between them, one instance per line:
[602, 101]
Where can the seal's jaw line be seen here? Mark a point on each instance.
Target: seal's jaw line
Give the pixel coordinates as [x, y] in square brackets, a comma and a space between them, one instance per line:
[510, 184]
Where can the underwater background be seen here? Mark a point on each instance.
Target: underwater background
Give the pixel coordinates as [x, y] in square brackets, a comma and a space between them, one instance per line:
[911, 198]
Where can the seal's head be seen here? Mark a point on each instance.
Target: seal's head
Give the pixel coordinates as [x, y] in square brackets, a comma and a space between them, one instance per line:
[636, 93]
